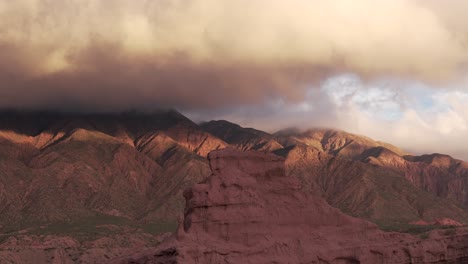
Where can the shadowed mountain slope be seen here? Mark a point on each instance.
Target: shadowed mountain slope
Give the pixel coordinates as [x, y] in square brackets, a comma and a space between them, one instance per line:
[242, 138]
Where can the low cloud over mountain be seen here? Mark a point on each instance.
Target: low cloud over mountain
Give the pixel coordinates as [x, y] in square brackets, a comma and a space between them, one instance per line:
[211, 58]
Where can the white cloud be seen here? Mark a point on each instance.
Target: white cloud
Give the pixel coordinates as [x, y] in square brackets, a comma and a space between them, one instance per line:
[408, 114]
[423, 119]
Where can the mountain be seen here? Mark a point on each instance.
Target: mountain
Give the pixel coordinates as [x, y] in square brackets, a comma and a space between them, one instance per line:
[439, 174]
[135, 166]
[60, 167]
[91, 176]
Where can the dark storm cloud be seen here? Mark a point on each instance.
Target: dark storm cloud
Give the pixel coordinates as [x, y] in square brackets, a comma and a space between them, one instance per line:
[102, 55]
[105, 78]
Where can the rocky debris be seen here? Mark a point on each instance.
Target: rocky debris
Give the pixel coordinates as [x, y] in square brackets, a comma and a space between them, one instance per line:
[249, 211]
[33, 249]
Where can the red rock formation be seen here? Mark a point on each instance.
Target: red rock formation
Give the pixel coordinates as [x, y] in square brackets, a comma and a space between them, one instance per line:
[249, 211]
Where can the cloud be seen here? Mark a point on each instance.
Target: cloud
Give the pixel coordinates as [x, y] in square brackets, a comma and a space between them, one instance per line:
[409, 114]
[94, 54]
[427, 119]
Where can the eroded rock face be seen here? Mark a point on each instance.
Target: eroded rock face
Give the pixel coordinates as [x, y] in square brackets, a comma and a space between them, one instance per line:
[248, 211]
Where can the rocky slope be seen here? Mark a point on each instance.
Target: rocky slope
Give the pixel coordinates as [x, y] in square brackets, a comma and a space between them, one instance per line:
[249, 211]
[438, 174]
[368, 191]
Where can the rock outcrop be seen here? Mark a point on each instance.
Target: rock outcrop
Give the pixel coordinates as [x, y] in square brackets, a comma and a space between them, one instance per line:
[249, 211]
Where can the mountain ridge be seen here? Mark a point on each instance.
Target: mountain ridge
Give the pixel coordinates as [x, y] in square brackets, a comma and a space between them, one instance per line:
[172, 142]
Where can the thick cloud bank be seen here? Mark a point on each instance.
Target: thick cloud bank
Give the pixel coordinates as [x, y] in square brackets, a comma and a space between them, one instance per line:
[137, 53]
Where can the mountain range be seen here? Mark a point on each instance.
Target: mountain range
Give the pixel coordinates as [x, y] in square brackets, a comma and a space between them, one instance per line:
[87, 176]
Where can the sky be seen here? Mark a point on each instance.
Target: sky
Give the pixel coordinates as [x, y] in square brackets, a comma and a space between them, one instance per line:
[394, 70]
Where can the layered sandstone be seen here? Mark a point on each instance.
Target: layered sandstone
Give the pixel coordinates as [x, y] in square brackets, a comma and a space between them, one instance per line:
[249, 211]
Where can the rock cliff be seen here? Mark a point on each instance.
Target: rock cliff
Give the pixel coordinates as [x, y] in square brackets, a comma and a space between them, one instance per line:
[249, 211]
